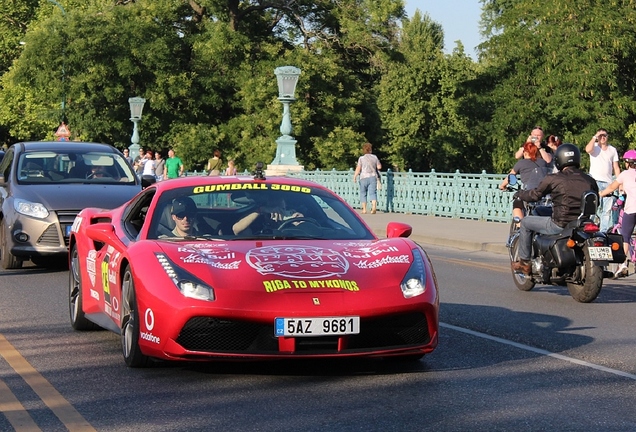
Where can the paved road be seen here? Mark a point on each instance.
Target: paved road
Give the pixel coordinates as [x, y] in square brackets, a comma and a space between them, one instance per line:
[464, 234]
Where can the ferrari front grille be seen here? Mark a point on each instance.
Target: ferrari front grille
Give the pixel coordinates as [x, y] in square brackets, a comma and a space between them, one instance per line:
[218, 335]
[391, 331]
[206, 334]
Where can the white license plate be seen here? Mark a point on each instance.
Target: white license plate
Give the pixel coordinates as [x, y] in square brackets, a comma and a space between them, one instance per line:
[323, 326]
[601, 253]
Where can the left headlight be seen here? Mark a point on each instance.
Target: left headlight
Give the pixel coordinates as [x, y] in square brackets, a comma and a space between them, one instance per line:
[414, 282]
[28, 208]
[187, 284]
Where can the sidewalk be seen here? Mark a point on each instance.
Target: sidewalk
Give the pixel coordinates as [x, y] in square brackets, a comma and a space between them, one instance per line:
[464, 234]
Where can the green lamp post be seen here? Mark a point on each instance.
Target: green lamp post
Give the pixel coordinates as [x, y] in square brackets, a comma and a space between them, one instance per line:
[136, 107]
[285, 160]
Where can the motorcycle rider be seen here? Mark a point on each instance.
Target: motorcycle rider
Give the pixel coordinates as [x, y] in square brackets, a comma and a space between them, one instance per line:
[566, 188]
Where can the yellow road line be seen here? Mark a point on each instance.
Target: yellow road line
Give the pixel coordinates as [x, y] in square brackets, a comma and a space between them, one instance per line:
[67, 414]
[14, 411]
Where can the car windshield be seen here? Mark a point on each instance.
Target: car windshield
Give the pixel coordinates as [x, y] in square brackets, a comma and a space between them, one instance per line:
[73, 167]
[254, 211]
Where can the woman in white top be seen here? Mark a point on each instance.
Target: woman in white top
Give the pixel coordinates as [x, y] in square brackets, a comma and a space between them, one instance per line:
[149, 164]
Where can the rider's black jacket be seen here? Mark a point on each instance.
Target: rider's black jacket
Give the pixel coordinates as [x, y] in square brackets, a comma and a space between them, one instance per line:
[566, 189]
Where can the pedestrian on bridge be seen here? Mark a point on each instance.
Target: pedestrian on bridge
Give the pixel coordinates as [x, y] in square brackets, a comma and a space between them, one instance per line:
[368, 169]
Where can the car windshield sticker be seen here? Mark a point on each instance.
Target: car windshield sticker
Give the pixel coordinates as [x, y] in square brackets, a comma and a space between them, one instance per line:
[249, 186]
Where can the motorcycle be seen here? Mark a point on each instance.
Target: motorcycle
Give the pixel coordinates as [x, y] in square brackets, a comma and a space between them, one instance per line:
[575, 258]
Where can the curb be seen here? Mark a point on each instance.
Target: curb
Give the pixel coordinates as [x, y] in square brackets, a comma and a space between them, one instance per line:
[493, 247]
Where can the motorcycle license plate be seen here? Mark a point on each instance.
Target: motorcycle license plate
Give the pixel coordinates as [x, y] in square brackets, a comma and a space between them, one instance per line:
[324, 326]
[600, 253]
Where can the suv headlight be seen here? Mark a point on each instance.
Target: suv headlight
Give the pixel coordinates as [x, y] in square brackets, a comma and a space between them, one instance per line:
[28, 208]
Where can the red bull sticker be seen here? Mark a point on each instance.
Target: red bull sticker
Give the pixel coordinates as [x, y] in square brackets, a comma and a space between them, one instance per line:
[217, 256]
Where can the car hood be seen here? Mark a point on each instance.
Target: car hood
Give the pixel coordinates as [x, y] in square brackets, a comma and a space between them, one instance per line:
[78, 196]
[297, 264]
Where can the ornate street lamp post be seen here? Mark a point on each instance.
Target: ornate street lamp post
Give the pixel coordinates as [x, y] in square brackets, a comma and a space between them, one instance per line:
[136, 107]
[285, 160]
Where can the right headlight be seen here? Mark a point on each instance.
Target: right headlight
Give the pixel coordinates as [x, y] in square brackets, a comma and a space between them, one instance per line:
[414, 282]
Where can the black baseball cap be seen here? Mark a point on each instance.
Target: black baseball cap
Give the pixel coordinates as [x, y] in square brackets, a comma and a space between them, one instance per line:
[183, 205]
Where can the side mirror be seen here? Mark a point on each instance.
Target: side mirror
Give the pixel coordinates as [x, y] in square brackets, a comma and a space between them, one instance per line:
[512, 179]
[398, 229]
[102, 231]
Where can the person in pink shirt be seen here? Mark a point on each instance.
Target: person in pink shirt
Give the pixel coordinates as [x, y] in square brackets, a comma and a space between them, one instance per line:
[626, 179]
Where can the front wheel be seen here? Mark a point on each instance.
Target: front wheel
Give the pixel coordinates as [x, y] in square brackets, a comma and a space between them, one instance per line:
[589, 285]
[130, 324]
[8, 260]
[521, 280]
[78, 318]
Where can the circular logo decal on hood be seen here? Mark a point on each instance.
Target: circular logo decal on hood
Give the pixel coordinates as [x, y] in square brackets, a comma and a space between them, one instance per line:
[297, 261]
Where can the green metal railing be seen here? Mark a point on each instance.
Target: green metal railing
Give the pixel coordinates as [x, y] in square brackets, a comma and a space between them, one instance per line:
[456, 195]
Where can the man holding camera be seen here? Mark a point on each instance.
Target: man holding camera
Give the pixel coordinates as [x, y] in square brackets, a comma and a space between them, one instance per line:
[603, 163]
[536, 137]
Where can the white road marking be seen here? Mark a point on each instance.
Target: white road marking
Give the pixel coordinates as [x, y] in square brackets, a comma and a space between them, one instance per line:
[539, 351]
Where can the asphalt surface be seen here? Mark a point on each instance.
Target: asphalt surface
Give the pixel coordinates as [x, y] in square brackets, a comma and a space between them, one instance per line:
[466, 234]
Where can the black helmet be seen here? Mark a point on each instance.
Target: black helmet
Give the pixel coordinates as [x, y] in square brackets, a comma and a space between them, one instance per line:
[567, 155]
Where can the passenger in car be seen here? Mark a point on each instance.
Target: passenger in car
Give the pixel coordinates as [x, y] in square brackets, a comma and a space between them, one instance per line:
[268, 215]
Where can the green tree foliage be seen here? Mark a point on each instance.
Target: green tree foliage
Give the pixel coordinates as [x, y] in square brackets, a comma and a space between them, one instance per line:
[567, 66]
[206, 71]
[423, 98]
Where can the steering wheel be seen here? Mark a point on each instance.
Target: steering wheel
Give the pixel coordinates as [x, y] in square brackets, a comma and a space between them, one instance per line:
[298, 219]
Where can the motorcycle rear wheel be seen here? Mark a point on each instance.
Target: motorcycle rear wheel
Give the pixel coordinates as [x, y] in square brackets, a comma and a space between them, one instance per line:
[522, 281]
[591, 281]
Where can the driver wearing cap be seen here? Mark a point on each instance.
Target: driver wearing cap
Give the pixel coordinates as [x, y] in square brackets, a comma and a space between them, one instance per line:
[183, 213]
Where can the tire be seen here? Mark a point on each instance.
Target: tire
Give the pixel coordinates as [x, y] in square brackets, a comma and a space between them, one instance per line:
[78, 319]
[522, 282]
[7, 259]
[131, 350]
[591, 281]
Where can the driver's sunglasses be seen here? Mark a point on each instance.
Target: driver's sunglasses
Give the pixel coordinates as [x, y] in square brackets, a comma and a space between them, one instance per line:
[182, 216]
